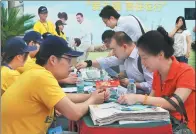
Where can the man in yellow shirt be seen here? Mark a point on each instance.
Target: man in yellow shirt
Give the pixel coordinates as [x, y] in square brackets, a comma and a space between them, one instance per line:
[43, 26]
[28, 105]
[32, 38]
[15, 54]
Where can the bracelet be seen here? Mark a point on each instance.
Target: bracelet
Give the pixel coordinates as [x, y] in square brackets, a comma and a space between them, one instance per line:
[145, 99]
[89, 63]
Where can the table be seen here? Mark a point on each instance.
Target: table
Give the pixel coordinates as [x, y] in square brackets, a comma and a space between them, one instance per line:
[86, 127]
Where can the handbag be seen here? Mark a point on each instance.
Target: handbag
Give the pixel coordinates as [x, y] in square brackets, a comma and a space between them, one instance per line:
[179, 126]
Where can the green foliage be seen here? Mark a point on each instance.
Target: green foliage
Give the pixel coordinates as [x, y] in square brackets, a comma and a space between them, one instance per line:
[14, 25]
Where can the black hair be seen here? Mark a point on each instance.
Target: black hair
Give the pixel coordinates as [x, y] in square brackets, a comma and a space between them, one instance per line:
[122, 38]
[77, 41]
[62, 15]
[45, 35]
[57, 29]
[6, 59]
[79, 14]
[156, 41]
[109, 11]
[183, 27]
[41, 61]
[108, 34]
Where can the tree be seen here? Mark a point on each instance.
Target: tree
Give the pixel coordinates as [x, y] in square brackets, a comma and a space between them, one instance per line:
[14, 25]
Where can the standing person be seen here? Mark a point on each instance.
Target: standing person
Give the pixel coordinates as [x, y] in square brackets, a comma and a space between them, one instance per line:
[84, 35]
[126, 53]
[31, 38]
[29, 107]
[43, 25]
[15, 55]
[63, 17]
[59, 29]
[170, 76]
[182, 40]
[131, 25]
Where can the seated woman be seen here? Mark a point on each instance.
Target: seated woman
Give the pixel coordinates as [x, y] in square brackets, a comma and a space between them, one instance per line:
[170, 76]
[15, 54]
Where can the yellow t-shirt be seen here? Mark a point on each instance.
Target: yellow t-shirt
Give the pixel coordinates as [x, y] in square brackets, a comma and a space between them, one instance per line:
[28, 65]
[29, 102]
[62, 35]
[45, 27]
[8, 76]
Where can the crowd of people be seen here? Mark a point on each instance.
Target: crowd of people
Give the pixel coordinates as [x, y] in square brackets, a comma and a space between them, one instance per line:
[33, 67]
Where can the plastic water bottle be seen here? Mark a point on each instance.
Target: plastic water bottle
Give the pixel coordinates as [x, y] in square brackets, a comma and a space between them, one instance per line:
[131, 88]
[80, 84]
[101, 75]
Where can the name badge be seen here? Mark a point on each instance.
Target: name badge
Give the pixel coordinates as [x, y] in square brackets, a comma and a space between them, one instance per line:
[56, 130]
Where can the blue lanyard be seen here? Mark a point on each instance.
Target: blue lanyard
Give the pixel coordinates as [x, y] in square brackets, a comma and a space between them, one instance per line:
[7, 66]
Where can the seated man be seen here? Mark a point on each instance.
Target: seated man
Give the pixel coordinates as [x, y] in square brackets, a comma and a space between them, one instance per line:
[126, 54]
[28, 105]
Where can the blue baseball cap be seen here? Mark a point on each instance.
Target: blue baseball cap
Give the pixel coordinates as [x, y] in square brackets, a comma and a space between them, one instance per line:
[42, 10]
[16, 46]
[33, 36]
[54, 45]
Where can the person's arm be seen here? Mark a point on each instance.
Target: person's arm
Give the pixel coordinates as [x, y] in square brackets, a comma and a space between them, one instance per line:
[130, 99]
[78, 98]
[152, 93]
[101, 63]
[75, 111]
[172, 33]
[69, 80]
[148, 76]
[189, 41]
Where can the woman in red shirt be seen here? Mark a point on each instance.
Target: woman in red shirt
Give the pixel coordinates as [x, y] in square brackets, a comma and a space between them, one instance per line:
[170, 76]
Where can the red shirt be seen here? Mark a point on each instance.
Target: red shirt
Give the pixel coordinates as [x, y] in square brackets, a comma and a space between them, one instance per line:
[180, 75]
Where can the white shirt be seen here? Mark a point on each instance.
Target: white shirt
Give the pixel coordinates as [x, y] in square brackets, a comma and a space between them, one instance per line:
[130, 26]
[131, 68]
[85, 31]
[180, 43]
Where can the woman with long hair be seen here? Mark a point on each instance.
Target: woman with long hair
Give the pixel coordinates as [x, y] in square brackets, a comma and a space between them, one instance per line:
[170, 76]
[59, 29]
[182, 40]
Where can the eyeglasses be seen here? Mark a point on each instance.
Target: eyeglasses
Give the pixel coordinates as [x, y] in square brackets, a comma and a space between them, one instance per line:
[67, 58]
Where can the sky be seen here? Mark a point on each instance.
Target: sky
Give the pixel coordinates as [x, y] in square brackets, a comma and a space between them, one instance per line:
[166, 16]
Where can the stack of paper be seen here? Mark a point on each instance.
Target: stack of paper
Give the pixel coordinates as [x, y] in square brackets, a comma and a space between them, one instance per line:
[109, 113]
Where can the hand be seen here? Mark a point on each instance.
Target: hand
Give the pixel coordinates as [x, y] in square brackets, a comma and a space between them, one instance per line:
[124, 82]
[81, 65]
[187, 55]
[57, 113]
[129, 99]
[106, 94]
[97, 96]
[71, 79]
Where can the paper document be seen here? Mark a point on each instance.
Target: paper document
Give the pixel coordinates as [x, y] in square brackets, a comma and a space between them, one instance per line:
[70, 89]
